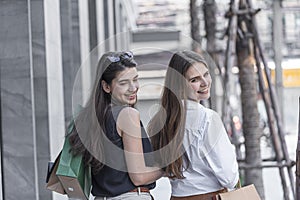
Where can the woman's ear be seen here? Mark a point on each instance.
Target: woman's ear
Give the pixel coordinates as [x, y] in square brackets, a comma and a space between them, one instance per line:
[105, 87]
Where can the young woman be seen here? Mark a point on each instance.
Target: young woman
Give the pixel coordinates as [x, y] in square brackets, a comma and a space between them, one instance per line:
[195, 150]
[109, 134]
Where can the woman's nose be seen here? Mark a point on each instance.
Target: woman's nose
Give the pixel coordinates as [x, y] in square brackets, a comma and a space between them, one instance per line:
[133, 86]
[204, 82]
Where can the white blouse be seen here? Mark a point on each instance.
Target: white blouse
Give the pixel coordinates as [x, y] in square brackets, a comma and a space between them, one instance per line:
[213, 163]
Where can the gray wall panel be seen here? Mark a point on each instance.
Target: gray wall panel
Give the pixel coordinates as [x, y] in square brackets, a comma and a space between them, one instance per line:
[40, 96]
[24, 109]
[70, 50]
[16, 101]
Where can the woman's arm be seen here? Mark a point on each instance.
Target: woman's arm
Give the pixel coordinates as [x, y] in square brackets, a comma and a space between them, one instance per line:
[220, 153]
[128, 124]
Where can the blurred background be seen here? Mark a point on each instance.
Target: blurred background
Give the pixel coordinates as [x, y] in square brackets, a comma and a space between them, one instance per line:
[48, 52]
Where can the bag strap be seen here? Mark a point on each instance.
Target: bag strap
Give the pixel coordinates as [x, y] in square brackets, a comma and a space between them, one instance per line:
[238, 185]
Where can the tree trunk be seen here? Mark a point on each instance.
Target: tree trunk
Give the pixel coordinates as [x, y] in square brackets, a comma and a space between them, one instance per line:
[209, 11]
[247, 78]
[195, 26]
[298, 159]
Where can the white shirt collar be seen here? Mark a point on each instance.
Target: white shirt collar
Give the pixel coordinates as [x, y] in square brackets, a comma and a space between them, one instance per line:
[192, 105]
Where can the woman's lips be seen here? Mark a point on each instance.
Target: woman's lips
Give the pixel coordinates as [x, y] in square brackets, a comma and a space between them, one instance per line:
[132, 97]
[203, 91]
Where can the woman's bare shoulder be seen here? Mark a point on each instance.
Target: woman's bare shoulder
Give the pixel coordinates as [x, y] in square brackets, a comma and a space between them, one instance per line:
[129, 111]
[128, 118]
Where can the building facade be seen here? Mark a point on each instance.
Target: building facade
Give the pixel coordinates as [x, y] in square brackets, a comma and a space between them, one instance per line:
[43, 43]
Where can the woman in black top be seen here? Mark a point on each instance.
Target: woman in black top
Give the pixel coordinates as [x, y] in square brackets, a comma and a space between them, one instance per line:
[110, 135]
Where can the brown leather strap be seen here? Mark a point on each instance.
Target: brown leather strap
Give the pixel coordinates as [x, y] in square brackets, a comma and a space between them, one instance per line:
[207, 196]
[140, 189]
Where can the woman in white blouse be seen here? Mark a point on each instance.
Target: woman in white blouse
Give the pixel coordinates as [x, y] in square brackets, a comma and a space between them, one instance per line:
[191, 142]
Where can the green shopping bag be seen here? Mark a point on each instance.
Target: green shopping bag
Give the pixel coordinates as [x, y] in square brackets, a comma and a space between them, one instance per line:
[73, 175]
[52, 181]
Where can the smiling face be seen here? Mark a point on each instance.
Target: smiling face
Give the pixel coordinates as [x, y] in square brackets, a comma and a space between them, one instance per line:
[199, 82]
[124, 87]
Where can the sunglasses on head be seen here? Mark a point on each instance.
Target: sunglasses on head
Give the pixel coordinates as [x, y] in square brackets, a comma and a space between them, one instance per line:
[126, 55]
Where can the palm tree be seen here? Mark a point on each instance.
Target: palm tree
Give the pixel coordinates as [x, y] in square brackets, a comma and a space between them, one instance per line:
[209, 11]
[195, 26]
[298, 159]
[247, 79]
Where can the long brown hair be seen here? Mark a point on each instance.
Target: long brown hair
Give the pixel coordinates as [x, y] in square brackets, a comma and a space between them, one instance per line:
[86, 138]
[166, 128]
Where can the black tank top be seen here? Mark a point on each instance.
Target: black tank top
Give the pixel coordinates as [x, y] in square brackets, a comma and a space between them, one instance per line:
[110, 182]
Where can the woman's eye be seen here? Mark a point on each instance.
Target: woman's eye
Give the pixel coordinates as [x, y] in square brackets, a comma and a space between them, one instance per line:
[122, 83]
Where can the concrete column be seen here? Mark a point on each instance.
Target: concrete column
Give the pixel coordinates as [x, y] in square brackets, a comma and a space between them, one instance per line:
[100, 26]
[70, 40]
[86, 74]
[111, 25]
[24, 105]
[93, 24]
[55, 93]
[94, 55]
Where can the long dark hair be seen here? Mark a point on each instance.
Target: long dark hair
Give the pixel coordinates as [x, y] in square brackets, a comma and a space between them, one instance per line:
[166, 128]
[89, 130]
